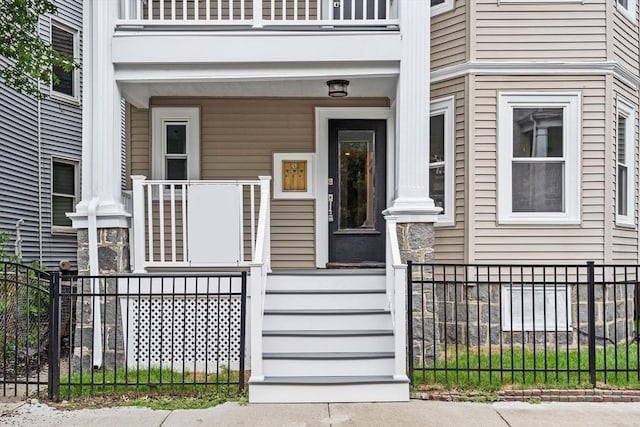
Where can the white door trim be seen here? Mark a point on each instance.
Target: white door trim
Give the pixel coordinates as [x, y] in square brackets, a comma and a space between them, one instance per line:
[323, 115]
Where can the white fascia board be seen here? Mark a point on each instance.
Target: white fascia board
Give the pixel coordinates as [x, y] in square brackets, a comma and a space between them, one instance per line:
[262, 47]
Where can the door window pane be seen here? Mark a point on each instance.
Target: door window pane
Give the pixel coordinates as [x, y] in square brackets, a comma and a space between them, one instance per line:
[176, 139]
[357, 184]
[538, 187]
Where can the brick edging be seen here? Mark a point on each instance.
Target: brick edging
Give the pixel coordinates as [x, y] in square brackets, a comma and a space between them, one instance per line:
[543, 395]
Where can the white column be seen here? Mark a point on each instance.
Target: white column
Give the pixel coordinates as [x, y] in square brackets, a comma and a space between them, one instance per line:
[412, 201]
[101, 156]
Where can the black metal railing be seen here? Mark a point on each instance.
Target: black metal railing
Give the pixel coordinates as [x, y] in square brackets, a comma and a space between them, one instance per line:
[542, 325]
[25, 329]
[141, 335]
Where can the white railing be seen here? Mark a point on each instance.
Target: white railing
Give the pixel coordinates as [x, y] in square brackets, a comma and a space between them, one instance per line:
[199, 223]
[396, 275]
[259, 13]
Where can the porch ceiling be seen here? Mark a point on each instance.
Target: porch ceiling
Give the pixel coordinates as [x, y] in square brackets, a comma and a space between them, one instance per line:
[139, 93]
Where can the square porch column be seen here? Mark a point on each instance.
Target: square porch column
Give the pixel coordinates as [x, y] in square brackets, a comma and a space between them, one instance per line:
[415, 211]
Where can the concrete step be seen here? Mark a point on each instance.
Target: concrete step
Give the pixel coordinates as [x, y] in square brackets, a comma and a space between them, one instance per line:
[331, 341]
[334, 319]
[330, 364]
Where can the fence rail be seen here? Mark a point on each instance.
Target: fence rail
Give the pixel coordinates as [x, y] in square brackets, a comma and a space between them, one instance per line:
[524, 324]
[156, 333]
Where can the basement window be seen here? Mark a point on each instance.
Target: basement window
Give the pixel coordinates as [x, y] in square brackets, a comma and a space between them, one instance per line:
[536, 308]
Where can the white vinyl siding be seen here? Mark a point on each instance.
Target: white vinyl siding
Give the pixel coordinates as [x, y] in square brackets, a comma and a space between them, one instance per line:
[442, 159]
[449, 37]
[625, 163]
[538, 158]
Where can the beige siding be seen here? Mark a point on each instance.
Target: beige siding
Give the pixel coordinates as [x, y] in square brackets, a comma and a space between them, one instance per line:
[625, 40]
[540, 31]
[238, 139]
[450, 240]
[557, 244]
[624, 239]
[449, 37]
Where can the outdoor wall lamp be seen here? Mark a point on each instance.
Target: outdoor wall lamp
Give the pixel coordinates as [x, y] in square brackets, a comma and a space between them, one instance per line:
[338, 88]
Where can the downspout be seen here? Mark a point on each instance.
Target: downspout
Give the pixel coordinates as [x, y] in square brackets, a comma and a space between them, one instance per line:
[40, 179]
[18, 248]
[94, 271]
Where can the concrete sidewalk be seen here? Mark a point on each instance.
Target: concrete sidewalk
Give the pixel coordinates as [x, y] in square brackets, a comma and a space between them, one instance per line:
[414, 413]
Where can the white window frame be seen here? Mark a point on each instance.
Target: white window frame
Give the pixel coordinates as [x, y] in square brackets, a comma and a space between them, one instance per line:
[75, 74]
[626, 109]
[446, 106]
[629, 12]
[571, 103]
[539, 1]
[439, 9]
[61, 229]
[161, 116]
[525, 294]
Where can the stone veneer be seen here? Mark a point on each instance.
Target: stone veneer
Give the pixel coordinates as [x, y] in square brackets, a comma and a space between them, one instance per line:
[416, 241]
[113, 258]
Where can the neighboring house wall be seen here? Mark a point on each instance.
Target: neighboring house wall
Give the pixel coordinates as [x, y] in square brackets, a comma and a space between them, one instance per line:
[238, 139]
[31, 134]
[449, 37]
[549, 31]
[543, 243]
[450, 239]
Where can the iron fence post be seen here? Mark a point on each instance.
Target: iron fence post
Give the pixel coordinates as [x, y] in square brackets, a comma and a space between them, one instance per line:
[591, 319]
[53, 380]
[243, 323]
[410, 320]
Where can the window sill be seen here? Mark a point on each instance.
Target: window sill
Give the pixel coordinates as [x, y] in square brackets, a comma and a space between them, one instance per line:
[625, 224]
[75, 101]
[626, 13]
[58, 230]
[538, 221]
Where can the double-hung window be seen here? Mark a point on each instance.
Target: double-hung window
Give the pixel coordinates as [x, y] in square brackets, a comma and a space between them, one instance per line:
[442, 159]
[539, 158]
[64, 193]
[176, 143]
[625, 170]
[627, 8]
[65, 84]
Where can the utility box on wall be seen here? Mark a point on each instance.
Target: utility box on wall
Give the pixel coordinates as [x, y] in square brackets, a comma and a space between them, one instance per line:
[292, 175]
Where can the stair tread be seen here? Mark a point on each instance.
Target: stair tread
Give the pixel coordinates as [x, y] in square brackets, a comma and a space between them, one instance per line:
[334, 380]
[331, 272]
[325, 291]
[335, 311]
[328, 332]
[329, 355]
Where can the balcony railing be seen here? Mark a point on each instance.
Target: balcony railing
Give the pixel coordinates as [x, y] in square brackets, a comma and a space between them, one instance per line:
[259, 13]
[200, 223]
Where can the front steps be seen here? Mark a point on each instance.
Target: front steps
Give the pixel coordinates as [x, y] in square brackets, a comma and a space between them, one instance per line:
[327, 337]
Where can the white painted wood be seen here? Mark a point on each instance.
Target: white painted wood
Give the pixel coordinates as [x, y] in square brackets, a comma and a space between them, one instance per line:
[319, 301]
[257, 282]
[379, 320]
[274, 344]
[214, 233]
[325, 282]
[139, 242]
[355, 367]
[383, 392]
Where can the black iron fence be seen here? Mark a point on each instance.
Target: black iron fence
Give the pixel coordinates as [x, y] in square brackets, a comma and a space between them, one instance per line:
[122, 334]
[555, 325]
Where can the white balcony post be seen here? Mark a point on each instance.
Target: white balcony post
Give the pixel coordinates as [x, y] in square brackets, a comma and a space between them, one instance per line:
[413, 100]
[138, 240]
[265, 194]
[257, 14]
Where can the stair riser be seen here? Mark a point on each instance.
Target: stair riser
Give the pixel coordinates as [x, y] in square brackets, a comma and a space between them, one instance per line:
[327, 344]
[326, 301]
[262, 393]
[288, 367]
[313, 282]
[324, 322]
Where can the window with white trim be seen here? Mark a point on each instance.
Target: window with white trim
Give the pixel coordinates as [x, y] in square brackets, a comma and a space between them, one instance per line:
[65, 84]
[536, 307]
[442, 159]
[539, 148]
[625, 170]
[176, 143]
[64, 193]
[627, 8]
[441, 6]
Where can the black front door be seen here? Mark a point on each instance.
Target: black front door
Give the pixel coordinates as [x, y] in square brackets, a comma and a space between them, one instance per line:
[357, 190]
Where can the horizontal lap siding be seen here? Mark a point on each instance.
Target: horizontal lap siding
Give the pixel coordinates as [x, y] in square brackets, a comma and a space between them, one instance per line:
[625, 40]
[534, 31]
[450, 240]
[238, 139]
[624, 239]
[449, 37]
[535, 243]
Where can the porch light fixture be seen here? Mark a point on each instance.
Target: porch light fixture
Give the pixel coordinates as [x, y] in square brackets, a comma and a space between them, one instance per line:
[338, 88]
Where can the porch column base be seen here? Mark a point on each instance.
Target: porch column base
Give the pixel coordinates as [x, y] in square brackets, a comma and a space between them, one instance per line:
[416, 239]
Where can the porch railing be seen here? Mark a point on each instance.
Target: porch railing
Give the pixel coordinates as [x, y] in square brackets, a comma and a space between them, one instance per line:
[198, 223]
[259, 13]
[396, 277]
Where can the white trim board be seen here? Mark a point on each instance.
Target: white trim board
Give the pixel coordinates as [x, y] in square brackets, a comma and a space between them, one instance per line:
[322, 117]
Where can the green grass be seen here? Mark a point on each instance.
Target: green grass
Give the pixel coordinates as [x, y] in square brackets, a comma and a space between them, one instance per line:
[484, 371]
[154, 388]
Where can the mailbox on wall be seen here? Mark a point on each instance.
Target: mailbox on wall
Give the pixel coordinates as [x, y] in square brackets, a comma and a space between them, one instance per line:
[292, 175]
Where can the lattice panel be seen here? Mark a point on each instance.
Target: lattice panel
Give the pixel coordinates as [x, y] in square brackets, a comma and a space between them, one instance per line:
[185, 333]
